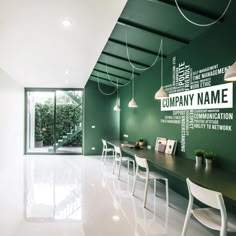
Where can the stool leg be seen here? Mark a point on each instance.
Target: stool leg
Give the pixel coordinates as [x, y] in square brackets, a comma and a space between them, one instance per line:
[145, 193]
[102, 155]
[105, 157]
[155, 187]
[167, 192]
[135, 178]
[119, 169]
[188, 214]
[133, 168]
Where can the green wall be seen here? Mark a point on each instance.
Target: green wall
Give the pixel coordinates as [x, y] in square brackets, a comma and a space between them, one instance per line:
[215, 46]
[98, 112]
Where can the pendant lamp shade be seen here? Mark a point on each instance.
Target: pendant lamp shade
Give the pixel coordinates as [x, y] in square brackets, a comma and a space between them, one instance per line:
[230, 74]
[132, 103]
[161, 93]
[116, 107]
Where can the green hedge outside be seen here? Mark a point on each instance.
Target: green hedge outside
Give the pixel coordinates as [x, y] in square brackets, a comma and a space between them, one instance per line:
[65, 122]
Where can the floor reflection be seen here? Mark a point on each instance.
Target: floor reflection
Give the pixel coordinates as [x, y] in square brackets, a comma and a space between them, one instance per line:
[148, 222]
[80, 196]
[53, 190]
[145, 222]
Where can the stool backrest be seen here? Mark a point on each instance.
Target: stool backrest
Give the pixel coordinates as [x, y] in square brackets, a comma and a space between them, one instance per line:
[141, 162]
[209, 197]
[104, 142]
[118, 153]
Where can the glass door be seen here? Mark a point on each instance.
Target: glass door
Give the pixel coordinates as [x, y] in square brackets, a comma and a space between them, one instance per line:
[39, 121]
[68, 122]
[53, 121]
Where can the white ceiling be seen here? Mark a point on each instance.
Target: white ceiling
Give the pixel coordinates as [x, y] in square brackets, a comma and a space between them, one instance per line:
[37, 51]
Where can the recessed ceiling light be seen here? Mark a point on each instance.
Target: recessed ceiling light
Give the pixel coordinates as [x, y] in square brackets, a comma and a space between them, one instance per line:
[103, 184]
[115, 218]
[67, 72]
[66, 22]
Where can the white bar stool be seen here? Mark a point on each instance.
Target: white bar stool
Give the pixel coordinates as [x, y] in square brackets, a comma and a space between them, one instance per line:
[106, 150]
[215, 216]
[119, 159]
[147, 175]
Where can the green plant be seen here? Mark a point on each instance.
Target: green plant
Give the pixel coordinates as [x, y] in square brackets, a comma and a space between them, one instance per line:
[210, 155]
[38, 124]
[199, 152]
[66, 119]
[38, 137]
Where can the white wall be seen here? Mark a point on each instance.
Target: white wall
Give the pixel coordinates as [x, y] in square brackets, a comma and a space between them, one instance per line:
[11, 154]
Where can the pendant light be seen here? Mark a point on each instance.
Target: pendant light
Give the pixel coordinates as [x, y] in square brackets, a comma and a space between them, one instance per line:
[161, 93]
[116, 107]
[230, 74]
[132, 102]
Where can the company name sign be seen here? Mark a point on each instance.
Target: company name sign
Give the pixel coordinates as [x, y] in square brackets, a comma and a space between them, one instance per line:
[214, 97]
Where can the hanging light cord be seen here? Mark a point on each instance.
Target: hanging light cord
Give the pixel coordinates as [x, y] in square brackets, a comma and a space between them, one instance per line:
[128, 56]
[117, 90]
[161, 52]
[133, 88]
[132, 76]
[197, 24]
[99, 87]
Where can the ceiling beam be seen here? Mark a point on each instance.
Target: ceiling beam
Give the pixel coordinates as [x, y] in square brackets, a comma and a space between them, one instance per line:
[123, 21]
[134, 47]
[125, 59]
[117, 76]
[117, 67]
[107, 80]
[188, 7]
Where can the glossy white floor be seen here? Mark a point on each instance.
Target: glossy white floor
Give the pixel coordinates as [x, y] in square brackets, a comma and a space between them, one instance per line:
[79, 196]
